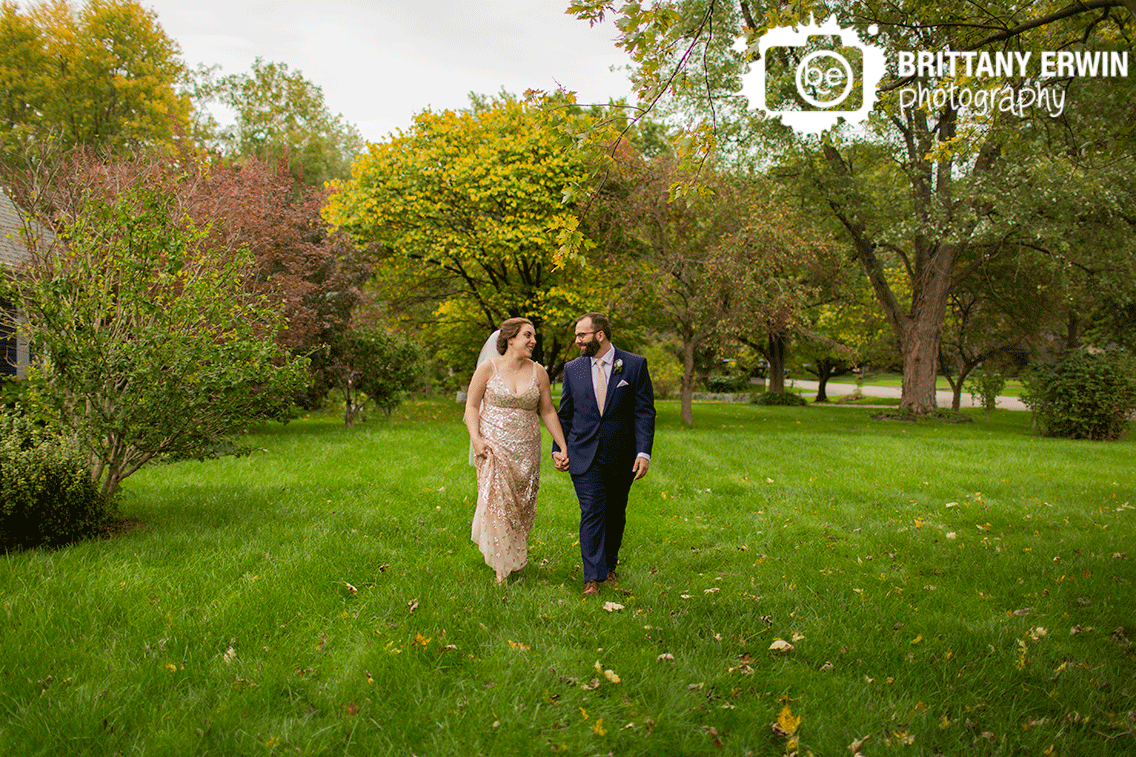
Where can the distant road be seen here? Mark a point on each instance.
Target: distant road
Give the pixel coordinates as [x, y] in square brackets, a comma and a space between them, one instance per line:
[943, 398]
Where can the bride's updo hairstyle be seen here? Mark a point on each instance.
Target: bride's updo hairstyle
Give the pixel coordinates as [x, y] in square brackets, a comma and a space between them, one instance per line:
[510, 329]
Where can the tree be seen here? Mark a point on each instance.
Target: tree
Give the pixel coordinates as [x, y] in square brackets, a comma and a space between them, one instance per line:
[993, 315]
[313, 275]
[281, 117]
[149, 340]
[846, 333]
[370, 365]
[960, 186]
[477, 210]
[707, 256]
[104, 76]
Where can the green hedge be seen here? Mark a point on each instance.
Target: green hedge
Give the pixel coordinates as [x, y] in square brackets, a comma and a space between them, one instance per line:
[47, 497]
[1083, 395]
[784, 398]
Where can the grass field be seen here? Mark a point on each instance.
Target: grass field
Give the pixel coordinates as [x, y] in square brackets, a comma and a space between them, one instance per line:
[948, 589]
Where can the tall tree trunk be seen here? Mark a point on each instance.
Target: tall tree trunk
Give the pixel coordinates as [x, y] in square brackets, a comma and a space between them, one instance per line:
[687, 381]
[956, 384]
[922, 331]
[822, 390]
[920, 346]
[776, 358]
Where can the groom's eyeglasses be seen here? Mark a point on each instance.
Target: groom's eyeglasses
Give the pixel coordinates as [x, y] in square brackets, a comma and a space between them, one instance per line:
[580, 336]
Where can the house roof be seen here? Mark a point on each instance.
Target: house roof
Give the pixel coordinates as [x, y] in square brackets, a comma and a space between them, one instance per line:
[12, 247]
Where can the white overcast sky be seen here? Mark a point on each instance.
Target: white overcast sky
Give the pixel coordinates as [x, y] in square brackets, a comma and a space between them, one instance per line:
[380, 62]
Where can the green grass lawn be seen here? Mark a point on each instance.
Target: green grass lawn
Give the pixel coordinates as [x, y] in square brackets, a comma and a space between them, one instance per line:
[948, 589]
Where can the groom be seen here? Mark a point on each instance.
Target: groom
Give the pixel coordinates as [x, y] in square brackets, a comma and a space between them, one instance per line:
[607, 409]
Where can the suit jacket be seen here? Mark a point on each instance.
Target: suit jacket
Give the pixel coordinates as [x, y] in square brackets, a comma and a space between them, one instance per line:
[627, 426]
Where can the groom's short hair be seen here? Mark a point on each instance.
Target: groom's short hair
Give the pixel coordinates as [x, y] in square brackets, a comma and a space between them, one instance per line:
[599, 323]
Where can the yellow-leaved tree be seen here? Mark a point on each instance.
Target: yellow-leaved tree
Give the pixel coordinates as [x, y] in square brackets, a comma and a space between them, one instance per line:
[473, 218]
[103, 75]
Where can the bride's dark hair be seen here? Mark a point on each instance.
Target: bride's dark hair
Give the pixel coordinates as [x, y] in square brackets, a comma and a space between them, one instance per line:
[510, 329]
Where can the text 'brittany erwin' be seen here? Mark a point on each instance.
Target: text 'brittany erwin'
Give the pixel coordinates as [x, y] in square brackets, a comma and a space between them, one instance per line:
[1052, 63]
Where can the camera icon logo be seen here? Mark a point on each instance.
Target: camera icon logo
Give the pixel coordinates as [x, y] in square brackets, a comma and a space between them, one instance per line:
[813, 76]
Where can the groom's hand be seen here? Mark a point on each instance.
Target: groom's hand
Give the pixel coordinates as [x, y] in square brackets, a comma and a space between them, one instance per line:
[640, 467]
[561, 460]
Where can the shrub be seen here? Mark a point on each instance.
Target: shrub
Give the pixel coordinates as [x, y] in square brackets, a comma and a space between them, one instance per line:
[784, 398]
[47, 496]
[375, 367]
[727, 384]
[666, 370]
[986, 385]
[1083, 395]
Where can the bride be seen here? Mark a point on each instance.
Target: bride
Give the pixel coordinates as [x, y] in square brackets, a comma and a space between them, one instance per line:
[508, 396]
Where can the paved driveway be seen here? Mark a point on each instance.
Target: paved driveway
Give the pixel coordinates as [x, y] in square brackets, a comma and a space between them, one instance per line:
[835, 389]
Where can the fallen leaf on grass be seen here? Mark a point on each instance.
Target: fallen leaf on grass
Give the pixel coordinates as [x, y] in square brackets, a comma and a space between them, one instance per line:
[598, 727]
[664, 656]
[591, 685]
[351, 588]
[854, 747]
[612, 606]
[609, 674]
[518, 645]
[781, 646]
[412, 605]
[714, 737]
[787, 723]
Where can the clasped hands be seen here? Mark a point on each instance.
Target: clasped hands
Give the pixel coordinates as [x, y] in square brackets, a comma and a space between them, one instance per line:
[640, 467]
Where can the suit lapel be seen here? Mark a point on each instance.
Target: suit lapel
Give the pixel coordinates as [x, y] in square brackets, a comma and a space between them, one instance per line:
[613, 382]
[586, 380]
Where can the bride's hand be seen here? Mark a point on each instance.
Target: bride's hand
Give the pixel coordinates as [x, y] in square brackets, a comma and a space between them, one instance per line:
[480, 448]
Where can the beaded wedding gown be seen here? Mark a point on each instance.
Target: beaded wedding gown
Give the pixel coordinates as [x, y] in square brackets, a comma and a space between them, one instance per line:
[508, 477]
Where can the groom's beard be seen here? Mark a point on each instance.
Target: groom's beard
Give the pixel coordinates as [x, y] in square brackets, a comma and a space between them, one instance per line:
[589, 349]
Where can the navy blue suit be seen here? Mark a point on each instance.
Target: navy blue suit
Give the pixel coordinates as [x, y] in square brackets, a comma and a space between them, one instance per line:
[602, 450]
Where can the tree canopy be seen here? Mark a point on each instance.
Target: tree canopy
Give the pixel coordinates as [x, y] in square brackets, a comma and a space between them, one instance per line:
[937, 189]
[104, 75]
[150, 340]
[280, 117]
[475, 210]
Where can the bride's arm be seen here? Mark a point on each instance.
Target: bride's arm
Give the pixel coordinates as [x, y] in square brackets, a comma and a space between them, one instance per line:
[473, 399]
[548, 410]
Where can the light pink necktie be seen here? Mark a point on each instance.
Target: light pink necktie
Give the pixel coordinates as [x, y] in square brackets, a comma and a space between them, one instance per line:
[601, 385]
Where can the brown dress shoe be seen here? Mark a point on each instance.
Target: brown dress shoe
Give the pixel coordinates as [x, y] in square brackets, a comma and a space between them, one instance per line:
[613, 578]
[591, 588]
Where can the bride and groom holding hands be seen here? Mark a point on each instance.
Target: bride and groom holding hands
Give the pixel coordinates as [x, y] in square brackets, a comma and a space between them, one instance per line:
[602, 436]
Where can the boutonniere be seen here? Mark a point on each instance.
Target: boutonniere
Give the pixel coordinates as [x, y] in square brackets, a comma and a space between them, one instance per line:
[618, 367]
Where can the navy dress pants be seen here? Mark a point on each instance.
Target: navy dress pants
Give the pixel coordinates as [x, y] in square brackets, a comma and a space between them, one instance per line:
[602, 491]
